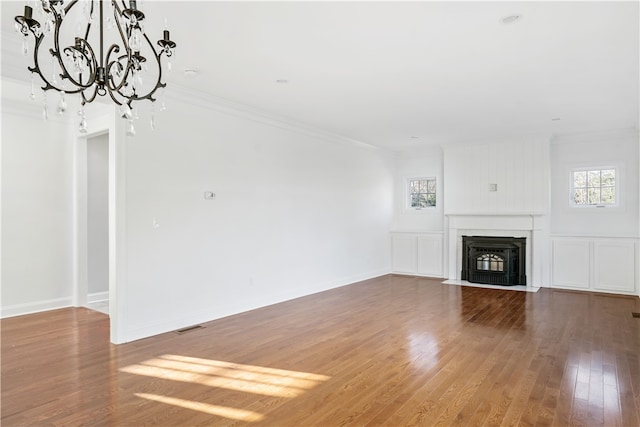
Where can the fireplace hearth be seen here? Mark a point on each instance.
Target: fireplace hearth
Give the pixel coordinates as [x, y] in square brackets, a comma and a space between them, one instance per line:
[494, 260]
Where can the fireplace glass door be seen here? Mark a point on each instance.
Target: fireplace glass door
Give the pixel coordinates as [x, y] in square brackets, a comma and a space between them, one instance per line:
[489, 262]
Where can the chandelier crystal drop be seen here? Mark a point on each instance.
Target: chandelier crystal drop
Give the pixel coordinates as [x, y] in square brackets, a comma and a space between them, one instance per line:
[100, 48]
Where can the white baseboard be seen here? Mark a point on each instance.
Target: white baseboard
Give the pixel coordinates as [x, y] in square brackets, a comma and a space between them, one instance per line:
[35, 307]
[98, 297]
[167, 325]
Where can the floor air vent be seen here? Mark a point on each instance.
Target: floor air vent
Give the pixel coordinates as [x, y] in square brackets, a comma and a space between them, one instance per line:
[635, 314]
[188, 329]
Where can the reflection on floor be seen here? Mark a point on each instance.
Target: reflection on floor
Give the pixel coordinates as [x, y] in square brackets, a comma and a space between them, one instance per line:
[480, 285]
[389, 351]
[101, 306]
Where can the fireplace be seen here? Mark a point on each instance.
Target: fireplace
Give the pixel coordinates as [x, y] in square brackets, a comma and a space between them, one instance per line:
[494, 260]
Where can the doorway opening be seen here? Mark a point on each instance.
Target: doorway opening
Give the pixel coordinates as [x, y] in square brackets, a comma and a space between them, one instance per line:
[97, 185]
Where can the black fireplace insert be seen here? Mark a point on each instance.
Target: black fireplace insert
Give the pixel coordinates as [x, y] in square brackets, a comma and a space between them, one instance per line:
[494, 260]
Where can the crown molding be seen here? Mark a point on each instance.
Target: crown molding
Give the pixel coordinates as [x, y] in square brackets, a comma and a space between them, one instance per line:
[597, 136]
[211, 103]
[17, 105]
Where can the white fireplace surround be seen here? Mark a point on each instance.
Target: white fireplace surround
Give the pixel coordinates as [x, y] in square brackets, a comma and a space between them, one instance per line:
[529, 225]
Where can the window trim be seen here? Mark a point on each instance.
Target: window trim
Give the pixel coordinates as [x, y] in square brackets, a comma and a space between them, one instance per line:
[406, 204]
[588, 168]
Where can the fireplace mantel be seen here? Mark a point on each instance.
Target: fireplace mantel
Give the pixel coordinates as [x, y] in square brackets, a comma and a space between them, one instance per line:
[531, 225]
[497, 221]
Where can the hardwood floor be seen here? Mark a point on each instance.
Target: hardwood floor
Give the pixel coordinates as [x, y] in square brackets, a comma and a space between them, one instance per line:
[390, 351]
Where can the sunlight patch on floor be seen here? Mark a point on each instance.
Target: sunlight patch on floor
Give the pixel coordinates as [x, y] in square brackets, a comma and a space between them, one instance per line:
[247, 368]
[222, 411]
[253, 379]
[232, 376]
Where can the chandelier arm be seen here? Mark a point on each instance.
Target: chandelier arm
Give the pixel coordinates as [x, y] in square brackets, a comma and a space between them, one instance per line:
[159, 83]
[91, 59]
[36, 65]
[111, 85]
[129, 98]
[69, 6]
[92, 98]
[114, 98]
[55, 52]
[125, 43]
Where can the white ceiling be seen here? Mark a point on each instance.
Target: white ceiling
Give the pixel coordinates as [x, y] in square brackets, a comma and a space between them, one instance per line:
[387, 72]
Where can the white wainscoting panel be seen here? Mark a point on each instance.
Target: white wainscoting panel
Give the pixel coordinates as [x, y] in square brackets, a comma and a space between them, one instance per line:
[403, 253]
[571, 263]
[614, 266]
[430, 255]
[417, 253]
[595, 263]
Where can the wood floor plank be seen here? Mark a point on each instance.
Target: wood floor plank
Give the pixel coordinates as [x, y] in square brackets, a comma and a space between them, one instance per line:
[389, 351]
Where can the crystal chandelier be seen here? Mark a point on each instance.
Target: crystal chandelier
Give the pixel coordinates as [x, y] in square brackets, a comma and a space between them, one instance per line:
[122, 62]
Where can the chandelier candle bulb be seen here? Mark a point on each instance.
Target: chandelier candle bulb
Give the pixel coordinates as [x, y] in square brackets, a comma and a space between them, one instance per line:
[28, 13]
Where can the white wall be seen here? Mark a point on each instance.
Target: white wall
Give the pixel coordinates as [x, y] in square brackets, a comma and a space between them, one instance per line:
[426, 162]
[618, 149]
[98, 214]
[294, 214]
[519, 168]
[36, 209]
[596, 248]
[417, 237]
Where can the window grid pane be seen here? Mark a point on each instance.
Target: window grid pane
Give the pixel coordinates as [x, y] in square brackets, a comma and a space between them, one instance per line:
[593, 187]
[593, 179]
[608, 195]
[580, 179]
[422, 193]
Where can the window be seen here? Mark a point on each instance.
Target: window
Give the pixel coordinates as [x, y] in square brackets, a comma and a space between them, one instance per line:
[596, 187]
[422, 193]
